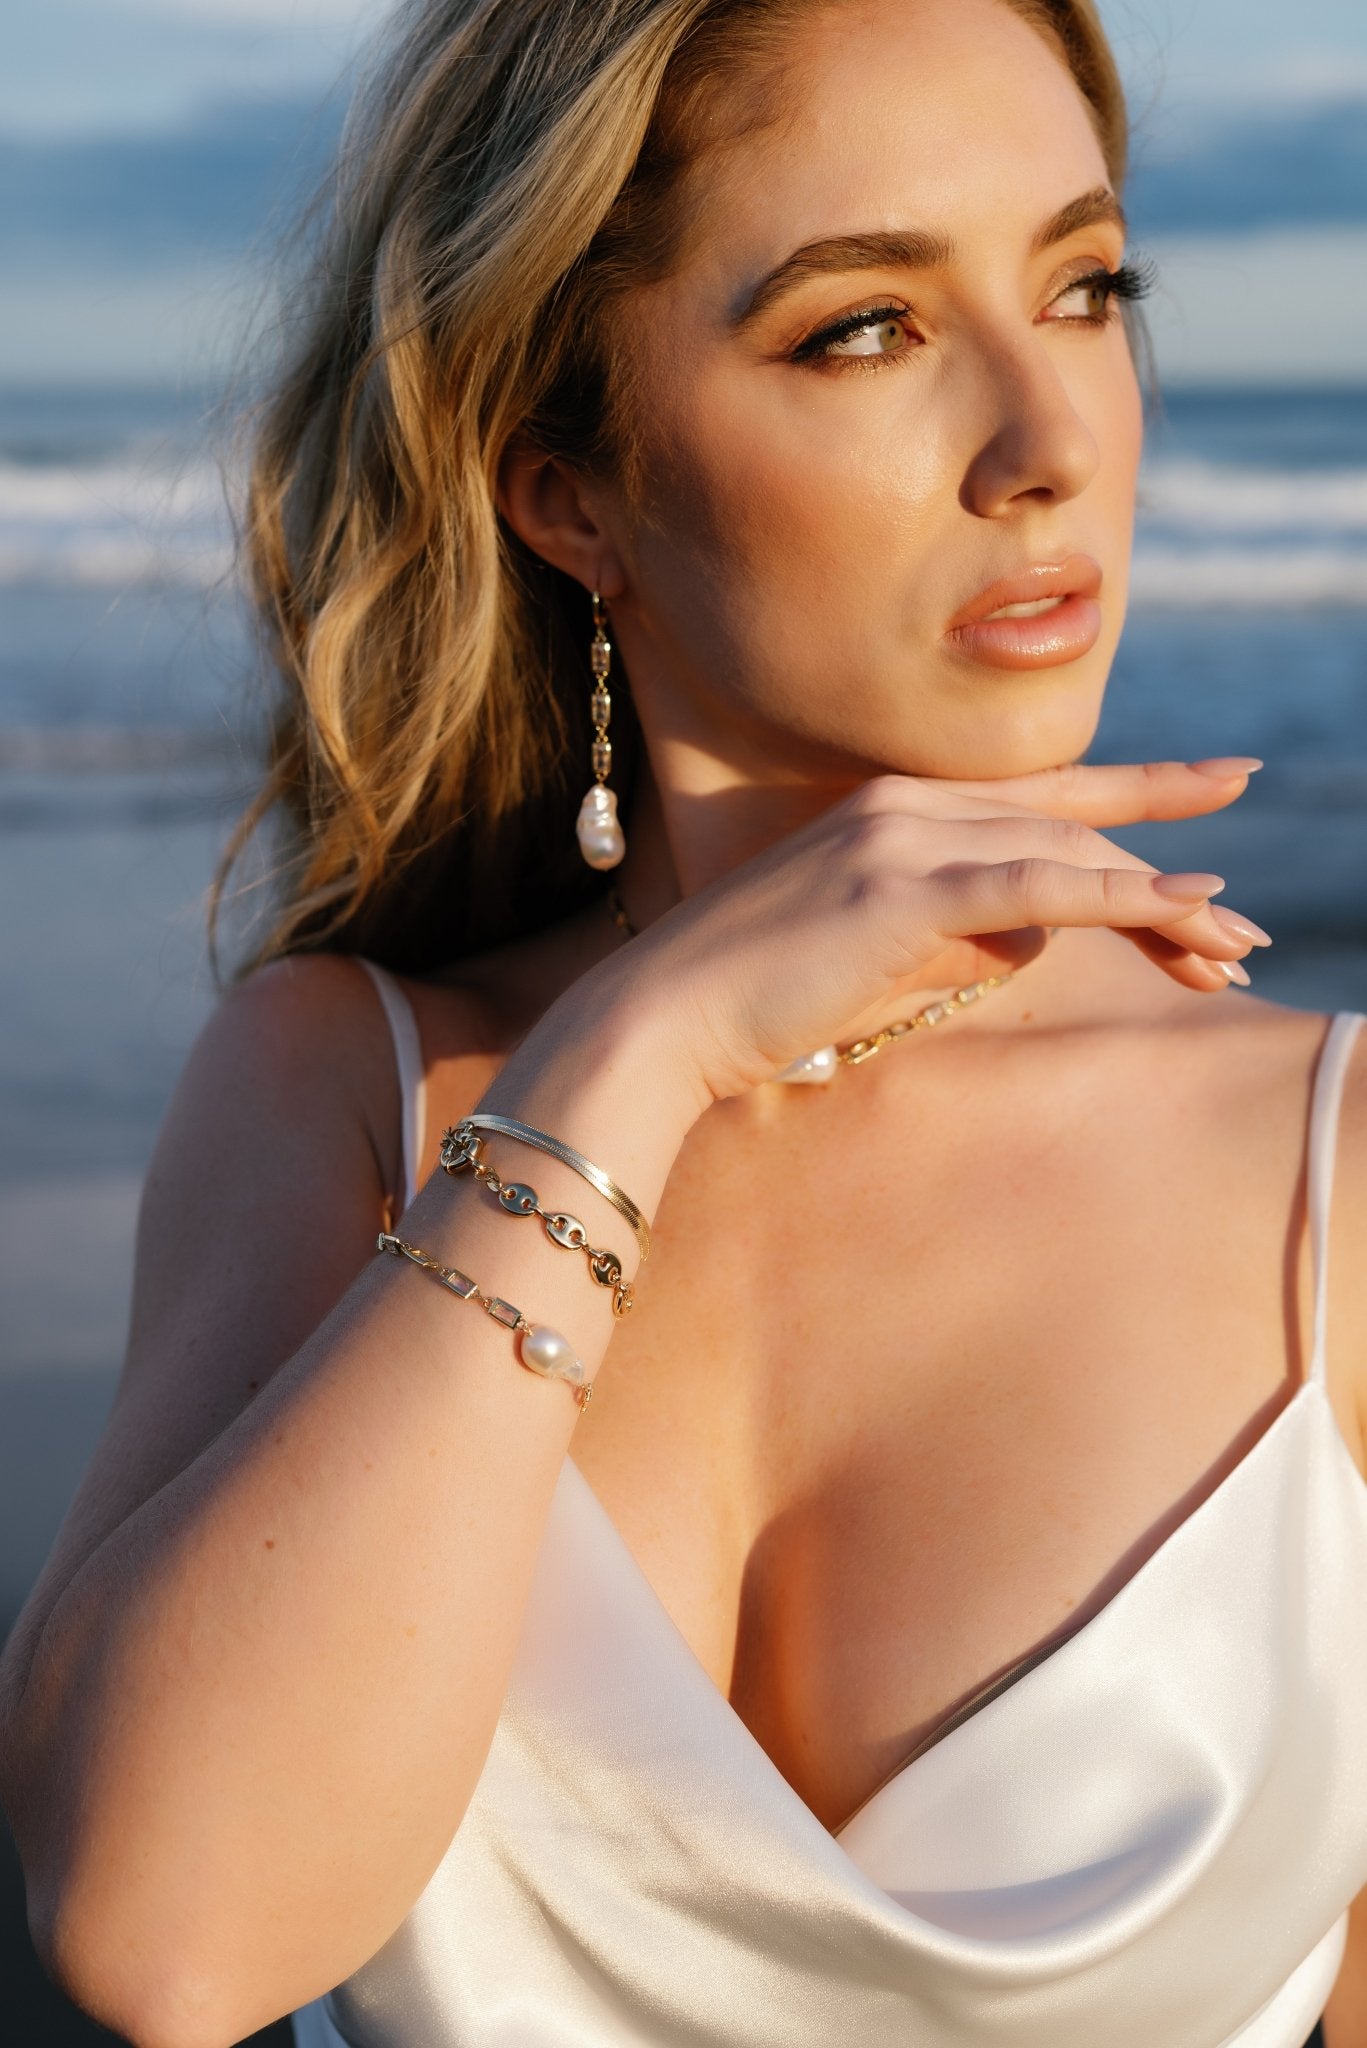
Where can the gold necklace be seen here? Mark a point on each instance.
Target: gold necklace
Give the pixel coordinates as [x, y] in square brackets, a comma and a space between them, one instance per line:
[821, 1064]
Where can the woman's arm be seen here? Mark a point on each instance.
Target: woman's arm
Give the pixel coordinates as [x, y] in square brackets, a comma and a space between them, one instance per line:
[249, 1700]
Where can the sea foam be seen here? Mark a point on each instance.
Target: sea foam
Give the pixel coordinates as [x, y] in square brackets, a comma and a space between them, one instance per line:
[113, 525]
[1207, 533]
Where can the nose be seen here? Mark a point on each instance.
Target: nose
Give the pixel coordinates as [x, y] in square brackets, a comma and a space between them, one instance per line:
[1037, 448]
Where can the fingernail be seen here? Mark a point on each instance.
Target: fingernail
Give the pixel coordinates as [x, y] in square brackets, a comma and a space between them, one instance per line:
[1225, 766]
[1236, 971]
[1240, 927]
[1188, 888]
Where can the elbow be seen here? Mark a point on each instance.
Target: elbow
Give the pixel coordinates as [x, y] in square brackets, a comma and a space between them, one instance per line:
[89, 1941]
[151, 2001]
[119, 1958]
[87, 1948]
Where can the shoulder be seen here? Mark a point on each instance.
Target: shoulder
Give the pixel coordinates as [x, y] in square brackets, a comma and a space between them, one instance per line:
[1348, 1227]
[1353, 1118]
[283, 1111]
[1266, 1061]
[1271, 1056]
[296, 1047]
[303, 1051]
[1296, 1042]
[277, 1012]
[277, 1161]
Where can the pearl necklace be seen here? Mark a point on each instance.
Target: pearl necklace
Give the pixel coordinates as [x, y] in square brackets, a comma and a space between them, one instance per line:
[820, 1066]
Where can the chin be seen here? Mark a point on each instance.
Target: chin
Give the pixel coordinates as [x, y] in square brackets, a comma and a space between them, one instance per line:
[1009, 734]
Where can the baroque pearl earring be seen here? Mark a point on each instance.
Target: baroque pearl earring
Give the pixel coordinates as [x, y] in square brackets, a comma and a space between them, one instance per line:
[600, 837]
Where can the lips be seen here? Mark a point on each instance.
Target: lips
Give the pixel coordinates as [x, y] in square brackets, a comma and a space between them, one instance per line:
[1045, 615]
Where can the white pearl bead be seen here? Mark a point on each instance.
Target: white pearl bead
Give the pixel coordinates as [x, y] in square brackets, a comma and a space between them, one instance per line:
[820, 1065]
[601, 839]
[545, 1351]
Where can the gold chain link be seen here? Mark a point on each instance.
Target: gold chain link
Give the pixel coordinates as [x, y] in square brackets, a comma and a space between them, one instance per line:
[855, 1054]
[460, 1154]
[923, 1020]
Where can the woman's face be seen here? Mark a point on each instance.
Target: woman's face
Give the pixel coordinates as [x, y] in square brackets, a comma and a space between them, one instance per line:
[847, 434]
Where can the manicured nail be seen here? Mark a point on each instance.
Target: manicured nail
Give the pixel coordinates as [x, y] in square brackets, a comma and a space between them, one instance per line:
[1224, 767]
[1236, 971]
[1240, 927]
[1188, 888]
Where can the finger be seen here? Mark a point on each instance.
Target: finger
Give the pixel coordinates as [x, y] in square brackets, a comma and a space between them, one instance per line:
[1242, 927]
[1215, 931]
[1189, 969]
[1242, 932]
[1197, 926]
[1131, 793]
[963, 899]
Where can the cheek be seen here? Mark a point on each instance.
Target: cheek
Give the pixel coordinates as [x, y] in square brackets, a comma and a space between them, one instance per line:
[804, 507]
[1113, 396]
[1120, 422]
[1117, 420]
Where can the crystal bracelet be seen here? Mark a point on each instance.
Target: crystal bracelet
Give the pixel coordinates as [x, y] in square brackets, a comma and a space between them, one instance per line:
[540, 1348]
[460, 1154]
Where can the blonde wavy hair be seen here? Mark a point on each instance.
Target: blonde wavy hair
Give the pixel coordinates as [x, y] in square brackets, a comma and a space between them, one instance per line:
[508, 170]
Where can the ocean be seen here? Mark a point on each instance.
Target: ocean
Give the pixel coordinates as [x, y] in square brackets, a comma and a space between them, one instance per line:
[123, 667]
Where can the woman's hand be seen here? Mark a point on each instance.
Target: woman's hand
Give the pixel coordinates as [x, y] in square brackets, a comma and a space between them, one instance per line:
[815, 940]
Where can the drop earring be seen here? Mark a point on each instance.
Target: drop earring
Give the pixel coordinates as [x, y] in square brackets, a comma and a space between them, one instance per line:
[600, 837]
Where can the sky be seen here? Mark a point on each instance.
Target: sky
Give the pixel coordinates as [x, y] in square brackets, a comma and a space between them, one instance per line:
[1242, 299]
[75, 63]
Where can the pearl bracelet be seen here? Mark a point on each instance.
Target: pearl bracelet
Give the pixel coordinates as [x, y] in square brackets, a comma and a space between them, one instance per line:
[540, 1348]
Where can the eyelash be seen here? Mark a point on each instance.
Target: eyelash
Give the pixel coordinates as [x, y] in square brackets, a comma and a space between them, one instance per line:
[1132, 281]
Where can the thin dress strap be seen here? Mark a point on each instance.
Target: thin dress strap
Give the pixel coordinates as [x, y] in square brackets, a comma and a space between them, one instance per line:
[403, 1027]
[1325, 1103]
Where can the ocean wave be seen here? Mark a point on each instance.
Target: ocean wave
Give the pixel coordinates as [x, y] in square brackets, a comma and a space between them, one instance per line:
[1229, 499]
[1207, 532]
[113, 525]
[114, 562]
[1254, 578]
[80, 750]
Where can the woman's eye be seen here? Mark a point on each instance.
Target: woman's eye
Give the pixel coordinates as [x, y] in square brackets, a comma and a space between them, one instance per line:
[882, 337]
[1132, 281]
[1090, 295]
[874, 333]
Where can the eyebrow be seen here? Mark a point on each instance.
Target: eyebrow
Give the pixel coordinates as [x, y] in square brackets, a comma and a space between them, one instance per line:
[912, 249]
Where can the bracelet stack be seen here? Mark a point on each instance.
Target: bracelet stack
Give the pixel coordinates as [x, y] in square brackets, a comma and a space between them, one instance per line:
[540, 1348]
[460, 1151]
[506, 1127]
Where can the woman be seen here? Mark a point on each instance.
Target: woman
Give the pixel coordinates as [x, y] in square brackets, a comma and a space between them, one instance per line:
[947, 1622]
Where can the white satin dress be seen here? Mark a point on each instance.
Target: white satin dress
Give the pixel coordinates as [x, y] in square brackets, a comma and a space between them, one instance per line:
[1147, 1838]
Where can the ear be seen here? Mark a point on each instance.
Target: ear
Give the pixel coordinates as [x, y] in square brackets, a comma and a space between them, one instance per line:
[547, 506]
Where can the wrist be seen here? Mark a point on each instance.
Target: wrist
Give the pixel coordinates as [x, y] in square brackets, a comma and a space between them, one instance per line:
[603, 1072]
